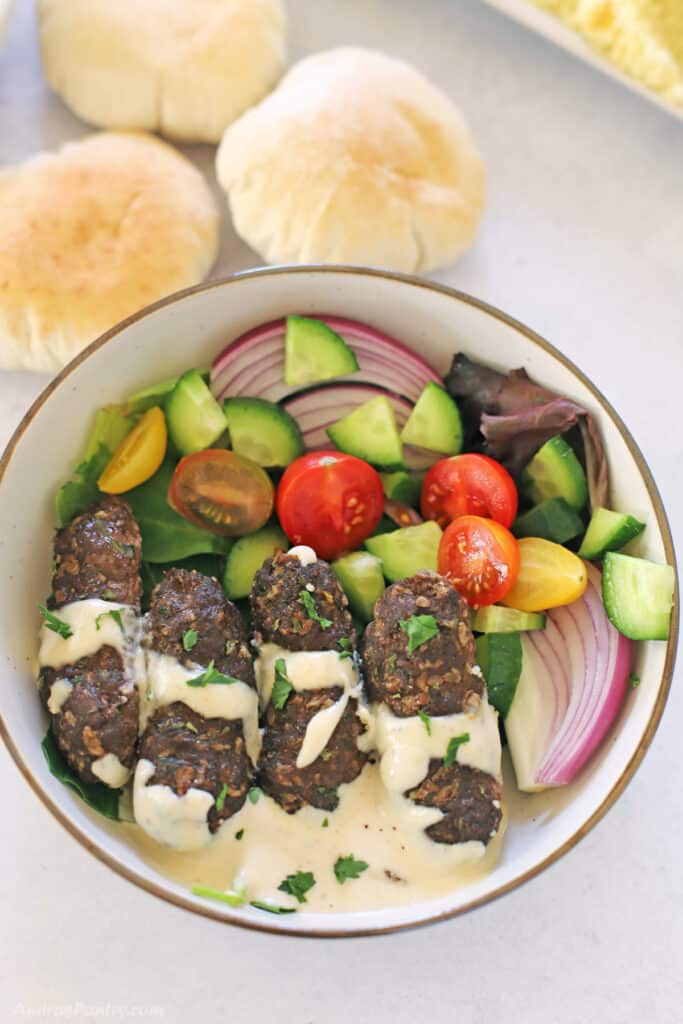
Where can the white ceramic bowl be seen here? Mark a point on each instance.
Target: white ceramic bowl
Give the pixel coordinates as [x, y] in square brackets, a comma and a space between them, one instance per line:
[189, 329]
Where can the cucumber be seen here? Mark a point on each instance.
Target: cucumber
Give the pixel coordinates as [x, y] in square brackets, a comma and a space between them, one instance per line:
[314, 352]
[247, 555]
[500, 659]
[400, 486]
[195, 419]
[109, 428]
[362, 580]
[638, 596]
[608, 531]
[553, 519]
[435, 422]
[370, 432]
[555, 472]
[155, 394]
[404, 552]
[496, 619]
[262, 431]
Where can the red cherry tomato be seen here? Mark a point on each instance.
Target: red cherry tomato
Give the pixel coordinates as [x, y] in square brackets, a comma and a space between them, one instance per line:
[468, 485]
[222, 492]
[329, 501]
[480, 557]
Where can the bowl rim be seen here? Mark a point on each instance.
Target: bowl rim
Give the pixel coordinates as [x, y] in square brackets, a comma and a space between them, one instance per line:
[103, 855]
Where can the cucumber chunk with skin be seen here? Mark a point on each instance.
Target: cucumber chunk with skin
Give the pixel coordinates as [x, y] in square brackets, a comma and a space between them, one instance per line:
[314, 352]
[262, 431]
[435, 422]
[362, 580]
[246, 557]
[497, 619]
[608, 531]
[553, 519]
[370, 433]
[555, 472]
[638, 596]
[404, 552]
[401, 486]
[500, 659]
[194, 418]
[111, 425]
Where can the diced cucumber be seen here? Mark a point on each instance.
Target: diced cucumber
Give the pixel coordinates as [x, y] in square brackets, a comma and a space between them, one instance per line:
[195, 419]
[496, 619]
[362, 580]
[314, 352]
[553, 519]
[370, 432]
[109, 428]
[638, 596]
[404, 552]
[435, 422]
[262, 431]
[400, 486]
[555, 472]
[608, 531]
[155, 394]
[500, 660]
[246, 557]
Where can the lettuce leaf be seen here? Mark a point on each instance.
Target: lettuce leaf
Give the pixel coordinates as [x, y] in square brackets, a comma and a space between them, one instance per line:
[95, 794]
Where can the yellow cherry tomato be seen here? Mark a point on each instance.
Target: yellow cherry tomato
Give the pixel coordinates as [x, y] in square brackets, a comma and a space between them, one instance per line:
[549, 576]
[139, 455]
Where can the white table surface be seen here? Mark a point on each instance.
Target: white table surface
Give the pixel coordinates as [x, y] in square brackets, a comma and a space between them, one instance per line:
[583, 240]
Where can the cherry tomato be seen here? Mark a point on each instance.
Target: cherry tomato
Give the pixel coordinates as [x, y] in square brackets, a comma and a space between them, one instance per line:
[468, 485]
[139, 455]
[549, 576]
[329, 501]
[480, 557]
[222, 492]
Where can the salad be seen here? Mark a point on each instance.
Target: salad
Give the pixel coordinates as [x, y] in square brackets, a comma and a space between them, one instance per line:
[311, 582]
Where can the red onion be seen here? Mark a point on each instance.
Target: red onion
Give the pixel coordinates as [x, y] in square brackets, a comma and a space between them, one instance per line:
[316, 408]
[574, 678]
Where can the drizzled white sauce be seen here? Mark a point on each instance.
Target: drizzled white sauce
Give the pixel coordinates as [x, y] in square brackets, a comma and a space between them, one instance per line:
[83, 618]
[306, 555]
[60, 691]
[110, 771]
[306, 670]
[319, 731]
[176, 821]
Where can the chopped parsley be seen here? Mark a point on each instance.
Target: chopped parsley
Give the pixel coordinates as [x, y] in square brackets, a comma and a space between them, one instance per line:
[254, 794]
[309, 605]
[633, 680]
[190, 638]
[54, 623]
[346, 648]
[282, 687]
[192, 728]
[238, 835]
[211, 676]
[233, 899]
[326, 823]
[114, 614]
[271, 908]
[452, 748]
[419, 629]
[298, 885]
[330, 791]
[426, 721]
[127, 550]
[347, 867]
[220, 799]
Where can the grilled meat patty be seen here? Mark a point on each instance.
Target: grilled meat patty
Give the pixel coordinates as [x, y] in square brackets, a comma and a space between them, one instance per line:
[468, 798]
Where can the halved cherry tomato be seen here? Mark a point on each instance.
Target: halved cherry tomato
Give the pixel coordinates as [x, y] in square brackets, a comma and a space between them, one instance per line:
[480, 557]
[549, 576]
[329, 501]
[139, 455]
[222, 492]
[468, 485]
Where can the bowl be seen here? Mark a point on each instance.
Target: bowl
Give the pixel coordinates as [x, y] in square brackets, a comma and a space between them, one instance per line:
[189, 329]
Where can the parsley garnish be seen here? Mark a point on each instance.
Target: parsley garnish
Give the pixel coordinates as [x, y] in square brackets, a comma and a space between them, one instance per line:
[190, 638]
[234, 899]
[56, 624]
[326, 823]
[452, 748]
[633, 680]
[238, 835]
[347, 867]
[220, 799]
[281, 685]
[309, 605]
[426, 721]
[192, 728]
[271, 908]
[419, 629]
[254, 794]
[346, 648]
[211, 675]
[115, 614]
[330, 791]
[298, 885]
